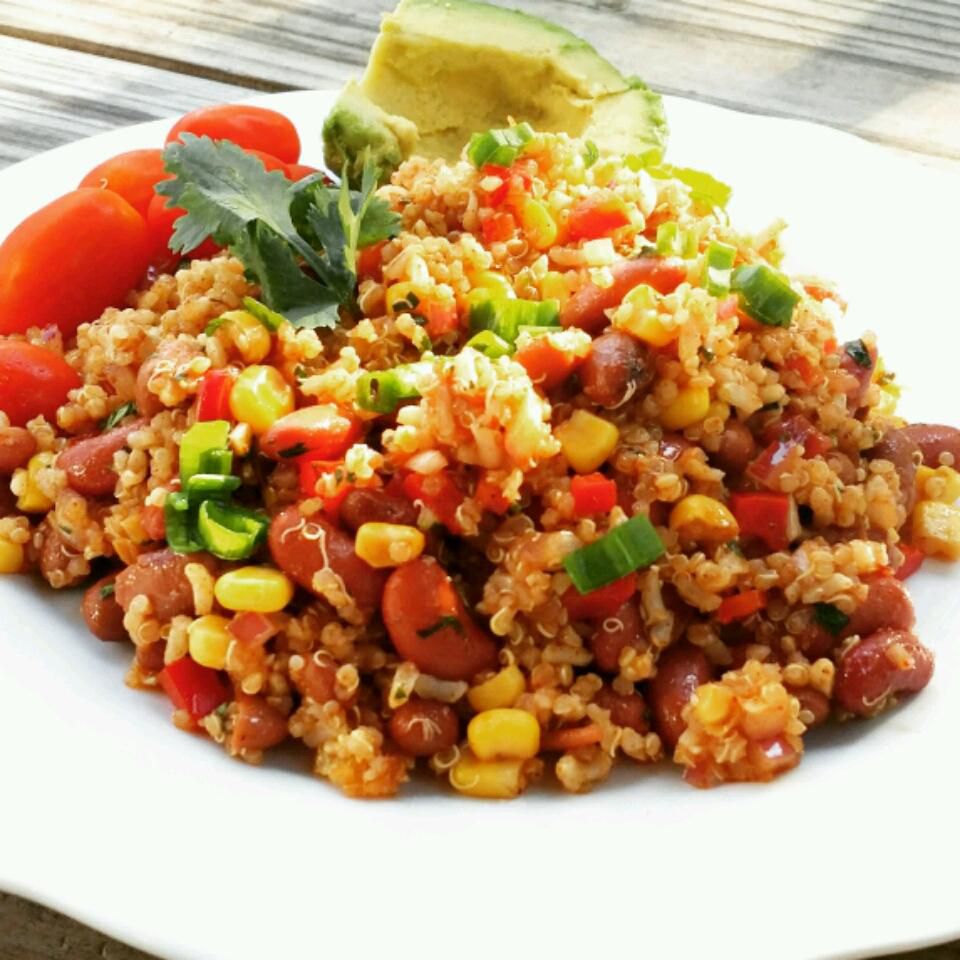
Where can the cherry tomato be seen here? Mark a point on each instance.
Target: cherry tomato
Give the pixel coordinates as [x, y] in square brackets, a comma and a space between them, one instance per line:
[132, 174]
[69, 261]
[269, 161]
[297, 171]
[253, 128]
[160, 221]
[33, 381]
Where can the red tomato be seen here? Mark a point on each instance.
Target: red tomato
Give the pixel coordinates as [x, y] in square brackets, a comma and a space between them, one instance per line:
[593, 493]
[33, 381]
[499, 227]
[323, 431]
[595, 217]
[160, 221]
[490, 496]
[297, 171]
[132, 174]
[439, 493]
[69, 261]
[546, 366]
[213, 397]
[253, 128]
[191, 687]
[269, 161]
[601, 603]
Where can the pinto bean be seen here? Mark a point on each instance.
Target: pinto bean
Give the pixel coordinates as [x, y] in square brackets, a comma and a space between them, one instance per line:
[680, 670]
[887, 605]
[421, 728]
[256, 725]
[623, 629]
[626, 709]
[737, 448]
[878, 667]
[150, 656]
[376, 506]
[159, 576]
[104, 616]
[301, 547]
[429, 624]
[617, 368]
[813, 700]
[17, 446]
[902, 451]
[88, 463]
[170, 355]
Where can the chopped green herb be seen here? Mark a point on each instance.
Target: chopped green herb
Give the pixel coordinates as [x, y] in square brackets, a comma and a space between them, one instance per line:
[269, 318]
[706, 354]
[591, 154]
[215, 324]
[107, 590]
[442, 623]
[830, 617]
[122, 412]
[858, 352]
[500, 147]
[719, 268]
[765, 294]
[295, 451]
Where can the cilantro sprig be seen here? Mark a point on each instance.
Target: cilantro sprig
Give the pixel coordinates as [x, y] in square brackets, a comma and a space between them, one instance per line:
[298, 242]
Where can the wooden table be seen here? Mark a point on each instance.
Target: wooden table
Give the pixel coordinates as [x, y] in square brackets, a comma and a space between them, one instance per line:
[888, 70]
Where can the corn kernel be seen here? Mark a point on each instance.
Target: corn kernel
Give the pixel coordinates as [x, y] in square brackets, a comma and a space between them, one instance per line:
[208, 639]
[11, 556]
[31, 498]
[260, 396]
[936, 529]
[404, 297]
[504, 733]
[942, 484]
[538, 225]
[553, 286]
[697, 517]
[492, 779]
[253, 589]
[251, 338]
[388, 544]
[690, 406]
[501, 690]
[493, 283]
[714, 701]
[639, 316]
[586, 440]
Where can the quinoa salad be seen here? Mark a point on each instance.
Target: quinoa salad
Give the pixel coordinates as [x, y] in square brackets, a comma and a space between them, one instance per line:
[509, 469]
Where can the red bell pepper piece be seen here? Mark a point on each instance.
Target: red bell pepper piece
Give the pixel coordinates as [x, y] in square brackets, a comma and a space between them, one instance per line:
[252, 628]
[601, 603]
[593, 493]
[547, 366]
[785, 436]
[496, 196]
[213, 397]
[912, 561]
[441, 317]
[439, 493]
[740, 606]
[490, 497]
[770, 517]
[498, 228]
[810, 373]
[191, 687]
[595, 217]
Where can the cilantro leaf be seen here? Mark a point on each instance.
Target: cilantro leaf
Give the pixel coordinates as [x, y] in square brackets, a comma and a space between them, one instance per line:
[123, 411]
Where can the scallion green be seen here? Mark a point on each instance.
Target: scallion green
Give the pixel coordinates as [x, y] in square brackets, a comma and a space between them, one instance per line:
[500, 147]
[765, 294]
[179, 519]
[229, 532]
[505, 317]
[204, 486]
[628, 547]
[382, 391]
[719, 268]
[204, 435]
[489, 344]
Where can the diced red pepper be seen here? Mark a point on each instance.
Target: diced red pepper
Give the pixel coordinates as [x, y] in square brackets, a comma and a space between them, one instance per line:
[333, 503]
[727, 307]
[601, 603]
[191, 687]
[785, 436]
[496, 196]
[547, 366]
[252, 628]
[489, 495]
[810, 373]
[498, 228]
[370, 261]
[595, 217]
[740, 606]
[213, 397]
[441, 317]
[439, 493]
[912, 561]
[593, 493]
[770, 517]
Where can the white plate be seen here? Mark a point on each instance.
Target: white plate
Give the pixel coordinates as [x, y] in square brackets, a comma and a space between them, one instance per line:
[109, 813]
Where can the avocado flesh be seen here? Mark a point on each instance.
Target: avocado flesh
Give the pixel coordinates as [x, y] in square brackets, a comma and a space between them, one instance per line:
[456, 67]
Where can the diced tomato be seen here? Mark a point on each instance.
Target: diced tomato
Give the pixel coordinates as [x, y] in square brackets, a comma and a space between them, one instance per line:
[798, 428]
[198, 690]
[547, 366]
[498, 194]
[311, 467]
[323, 430]
[785, 436]
[601, 603]
[441, 317]
[593, 493]
[595, 217]
[830, 346]
[727, 307]
[439, 493]
[809, 372]
[746, 323]
[153, 523]
[770, 517]
[498, 228]
[252, 628]
[740, 606]
[332, 504]
[490, 497]
[213, 397]
[912, 561]
[369, 261]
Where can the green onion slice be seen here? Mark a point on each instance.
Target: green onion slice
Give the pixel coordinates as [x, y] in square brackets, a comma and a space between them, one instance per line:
[674, 242]
[269, 318]
[204, 486]
[719, 268]
[382, 391]
[765, 294]
[217, 460]
[505, 317]
[203, 436]
[489, 344]
[230, 533]
[180, 523]
[631, 546]
[500, 147]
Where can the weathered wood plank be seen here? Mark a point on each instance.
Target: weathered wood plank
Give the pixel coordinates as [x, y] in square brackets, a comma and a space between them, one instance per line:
[888, 71]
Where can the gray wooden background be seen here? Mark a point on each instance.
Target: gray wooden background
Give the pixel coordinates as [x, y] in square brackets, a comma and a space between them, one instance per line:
[888, 70]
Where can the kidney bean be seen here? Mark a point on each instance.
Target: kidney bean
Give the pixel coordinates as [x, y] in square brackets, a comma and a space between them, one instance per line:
[813, 700]
[616, 369]
[429, 624]
[8, 502]
[17, 446]
[626, 709]
[171, 354]
[882, 664]
[901, 451]
[150, 656]
[55, 556]
[298, 543]
[672, 445]
[88, 463]
[680, 670]
[153, 522]
[376, 506]
[887, 605]
[421, 728]
[159, 575]
[932, 439]
[737, 448]
[623, 629]
[256, 725]
[858, 376]
[104, 616]
[316, 678]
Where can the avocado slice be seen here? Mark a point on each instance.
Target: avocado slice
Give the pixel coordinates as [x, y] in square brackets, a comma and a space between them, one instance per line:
[455, 67]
